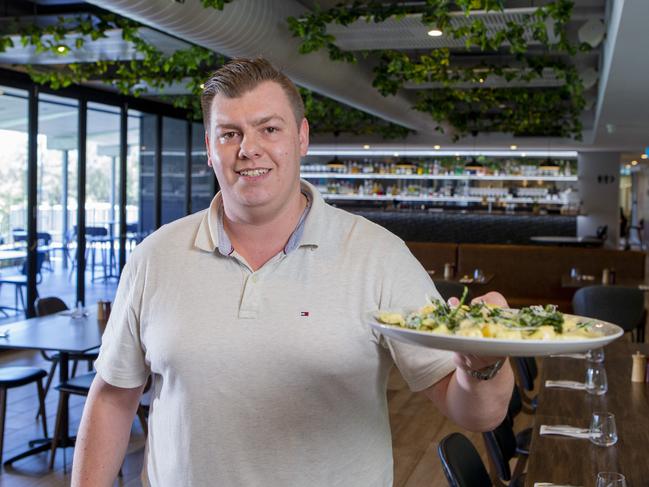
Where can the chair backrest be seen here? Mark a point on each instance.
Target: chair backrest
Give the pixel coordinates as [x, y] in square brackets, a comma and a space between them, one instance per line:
[96, 231]
[40, 258]
[501, 448]
[515, 403]
[623, 306]
[43, 238]
[461, 462]
[49, 306]
[526, 371]
[449, 289]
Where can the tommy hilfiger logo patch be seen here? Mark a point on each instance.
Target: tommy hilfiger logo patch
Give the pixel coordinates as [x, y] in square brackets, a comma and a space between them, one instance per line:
[304, 313]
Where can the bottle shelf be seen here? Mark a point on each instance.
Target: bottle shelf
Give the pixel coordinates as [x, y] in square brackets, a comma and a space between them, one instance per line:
[442, 177]
[440, 199]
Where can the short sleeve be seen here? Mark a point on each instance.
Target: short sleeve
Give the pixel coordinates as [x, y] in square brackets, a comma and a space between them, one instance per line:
[121, 360]
[406, 285]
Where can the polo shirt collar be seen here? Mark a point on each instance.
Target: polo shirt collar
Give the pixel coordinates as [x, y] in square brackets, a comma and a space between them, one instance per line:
[211, 233]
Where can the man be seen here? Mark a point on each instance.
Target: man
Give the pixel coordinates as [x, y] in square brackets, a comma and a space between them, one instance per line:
[251, 318]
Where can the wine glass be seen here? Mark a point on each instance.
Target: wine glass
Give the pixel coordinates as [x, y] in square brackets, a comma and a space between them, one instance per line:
[596, 380]
[610, 479]
[602, 429]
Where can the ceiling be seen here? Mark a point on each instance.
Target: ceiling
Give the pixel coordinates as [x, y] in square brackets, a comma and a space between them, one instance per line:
[614, 73]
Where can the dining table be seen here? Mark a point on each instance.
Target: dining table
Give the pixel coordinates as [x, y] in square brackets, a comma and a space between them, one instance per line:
[591, 280]
[12, 257]
[67, 332]
[569, 461]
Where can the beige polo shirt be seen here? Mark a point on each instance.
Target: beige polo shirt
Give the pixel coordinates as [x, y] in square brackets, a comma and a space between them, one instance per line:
[273, 377]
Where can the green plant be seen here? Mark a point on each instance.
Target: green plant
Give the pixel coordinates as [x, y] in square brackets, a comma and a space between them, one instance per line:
[152, 70]
[149, 69]
[457, 106]
[328, 116]
[217, 4]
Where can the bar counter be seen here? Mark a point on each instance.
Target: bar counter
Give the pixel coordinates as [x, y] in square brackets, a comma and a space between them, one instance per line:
[470, 227]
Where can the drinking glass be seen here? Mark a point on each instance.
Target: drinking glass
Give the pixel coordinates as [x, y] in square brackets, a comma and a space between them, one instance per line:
[602, 428]
[610, 479]
[596, 380]
[596, 355]
[478, 275]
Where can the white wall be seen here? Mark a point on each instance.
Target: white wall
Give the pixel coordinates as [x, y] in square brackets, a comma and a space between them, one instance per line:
[599, 190]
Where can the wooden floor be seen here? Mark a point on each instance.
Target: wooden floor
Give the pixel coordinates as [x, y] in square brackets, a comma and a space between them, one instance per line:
[416, 427]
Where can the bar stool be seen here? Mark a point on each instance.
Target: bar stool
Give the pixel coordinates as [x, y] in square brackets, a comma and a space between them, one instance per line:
[11, 377]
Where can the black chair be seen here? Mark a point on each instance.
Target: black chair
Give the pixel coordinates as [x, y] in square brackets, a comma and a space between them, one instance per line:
[526, 371]
[623, 306]
[11, 377]
[97, 239]
[80, 386]
[461, 462]
[449, 289]
[19, 281]
[502, 446]
[48, 306]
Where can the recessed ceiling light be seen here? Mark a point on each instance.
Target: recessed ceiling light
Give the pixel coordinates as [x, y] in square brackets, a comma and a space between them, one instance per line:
[435, 33]
[366, 146]
[644, 156]
[437, 147]
[61, 49]
[634, 163]
[513, 147]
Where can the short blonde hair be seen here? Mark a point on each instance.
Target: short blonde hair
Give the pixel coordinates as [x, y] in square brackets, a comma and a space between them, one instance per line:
[240, 75]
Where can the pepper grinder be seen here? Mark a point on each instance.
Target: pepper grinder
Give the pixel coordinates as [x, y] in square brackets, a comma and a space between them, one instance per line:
[639, 365]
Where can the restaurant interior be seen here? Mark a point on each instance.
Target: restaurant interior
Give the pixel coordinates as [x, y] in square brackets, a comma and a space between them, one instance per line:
[505, 141]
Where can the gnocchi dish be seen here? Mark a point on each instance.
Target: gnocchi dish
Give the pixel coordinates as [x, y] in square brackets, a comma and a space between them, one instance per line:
[488, 321]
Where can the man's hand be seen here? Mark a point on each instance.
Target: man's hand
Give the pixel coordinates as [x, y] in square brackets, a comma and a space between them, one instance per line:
[477, 362]
[477, 405]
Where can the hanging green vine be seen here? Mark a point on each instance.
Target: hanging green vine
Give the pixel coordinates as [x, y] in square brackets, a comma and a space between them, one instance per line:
[150, 68]
[396, 68]
[153, 70]
[328, 116]
[217, 4]
[312, 28]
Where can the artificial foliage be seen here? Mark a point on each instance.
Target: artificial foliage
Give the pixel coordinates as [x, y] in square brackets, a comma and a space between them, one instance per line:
[328, 116]
[151, 71]
[559, 109]
[150, 68]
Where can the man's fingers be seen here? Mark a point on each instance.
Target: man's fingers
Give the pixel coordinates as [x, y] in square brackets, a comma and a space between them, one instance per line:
[492, 298]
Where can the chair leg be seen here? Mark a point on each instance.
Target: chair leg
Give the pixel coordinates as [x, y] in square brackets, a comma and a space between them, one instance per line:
[41, 407]
[57, 428]
[49, 382]
[3, 412]
[141, 414]
[74, 368]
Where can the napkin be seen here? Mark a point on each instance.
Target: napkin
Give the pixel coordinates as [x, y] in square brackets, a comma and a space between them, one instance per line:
[566, 384]
[581, 356]
[564, 430]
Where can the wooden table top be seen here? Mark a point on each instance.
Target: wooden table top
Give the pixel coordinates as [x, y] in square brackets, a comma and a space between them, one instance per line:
[54, 333]
[569, 282]
[576, 461]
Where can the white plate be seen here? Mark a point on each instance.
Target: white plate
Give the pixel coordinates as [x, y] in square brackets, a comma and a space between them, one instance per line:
[499, 347]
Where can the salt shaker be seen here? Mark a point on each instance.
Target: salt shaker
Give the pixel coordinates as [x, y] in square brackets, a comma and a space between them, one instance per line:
[638, 370]
[101, 316]
[606, 276]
